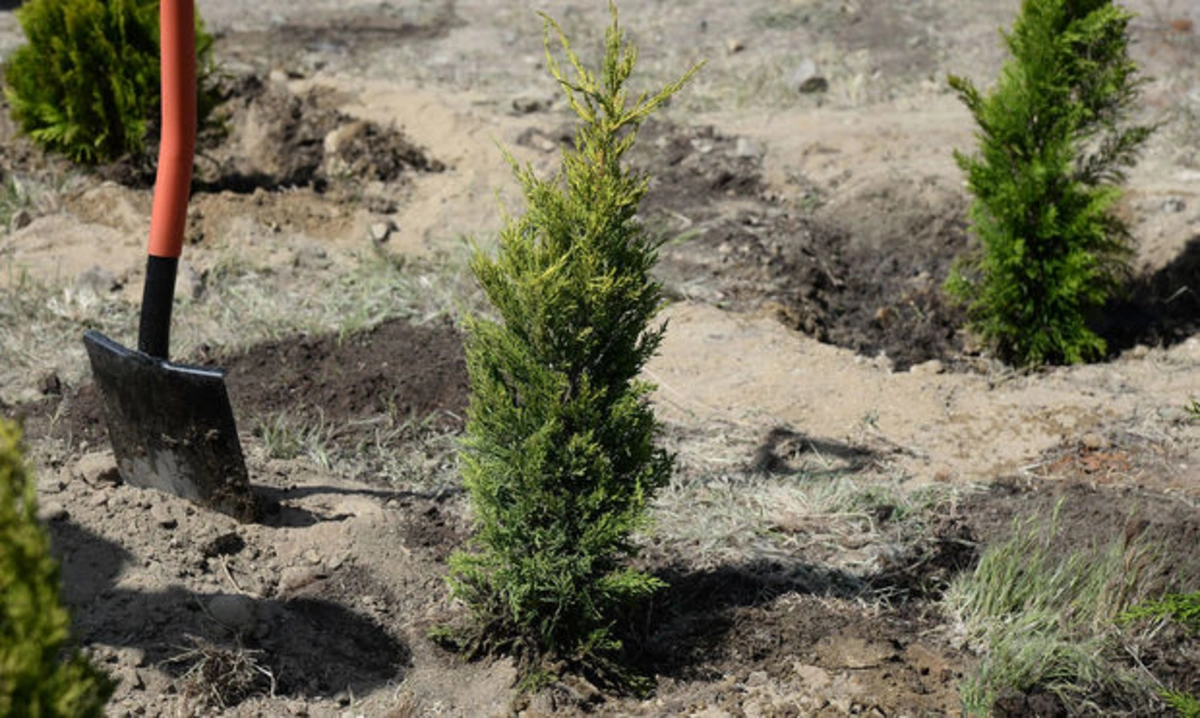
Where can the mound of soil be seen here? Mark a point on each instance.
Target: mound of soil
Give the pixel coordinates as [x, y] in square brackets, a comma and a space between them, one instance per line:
[396, 369]
[279, 139]
[270, 138]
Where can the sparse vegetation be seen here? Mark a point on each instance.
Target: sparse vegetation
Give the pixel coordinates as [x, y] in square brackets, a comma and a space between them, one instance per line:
[222, 676]
[1045, 621]
[86, 84]
[1182, 609]
[40, 673]
[560, 459]
[1054, 144]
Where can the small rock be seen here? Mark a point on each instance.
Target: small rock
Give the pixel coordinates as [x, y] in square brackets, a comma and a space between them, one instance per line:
[526, 105]
[49, 384]
[381, 231]
[226, 544]
[1093, 442]
[746, 148]
[189, 283]
[1174, 204]
[52, 511]
[814, 678]
[162, 517]
[20, 220]
[807, 79]
[929, 368]
[235, 612]
[312, 556]
[98, 280]
[129, 678]
[311, 256]
[97, 468]
[294, 578]
[733, 46]
[757, 678]
[1182, 25]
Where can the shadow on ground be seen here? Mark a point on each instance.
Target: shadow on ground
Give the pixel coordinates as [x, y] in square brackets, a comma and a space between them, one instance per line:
[1161, 308]
[311, 644]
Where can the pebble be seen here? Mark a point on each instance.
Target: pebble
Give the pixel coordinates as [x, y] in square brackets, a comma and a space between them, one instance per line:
[733, 46]
[49, 384]
[129, 678]
[97, 468]
[746, 148]
[933, 366]
[807, 79]
[526, 104]
[163, 517]
[814, 677]
[294, 578]
[20, 220]
[1093, 442]
[381, 231]
[189, 282]
[1174, 204]
[99, 280]
[235, 612]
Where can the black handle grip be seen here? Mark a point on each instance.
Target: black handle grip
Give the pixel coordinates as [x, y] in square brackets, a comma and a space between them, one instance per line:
[158, 297]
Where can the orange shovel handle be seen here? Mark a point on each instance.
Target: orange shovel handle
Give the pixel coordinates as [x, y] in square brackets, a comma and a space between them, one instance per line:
[176, 152]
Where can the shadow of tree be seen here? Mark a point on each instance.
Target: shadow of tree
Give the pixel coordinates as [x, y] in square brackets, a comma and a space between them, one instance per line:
[1160, 308]
[688, 625]
[310, 641]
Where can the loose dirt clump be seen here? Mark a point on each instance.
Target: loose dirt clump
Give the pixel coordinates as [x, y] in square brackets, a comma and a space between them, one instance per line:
[277, 138]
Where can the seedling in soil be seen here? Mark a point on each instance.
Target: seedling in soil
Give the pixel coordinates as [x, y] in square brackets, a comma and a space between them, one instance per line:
[560, 458]
[1054, 145]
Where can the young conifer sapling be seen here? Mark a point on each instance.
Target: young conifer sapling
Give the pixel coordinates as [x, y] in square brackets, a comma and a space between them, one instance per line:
[560, 460]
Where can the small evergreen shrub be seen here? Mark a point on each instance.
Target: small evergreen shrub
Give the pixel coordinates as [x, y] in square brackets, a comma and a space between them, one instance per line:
[38, 675]
[560, 459]
[1054, 142]
[86, 84]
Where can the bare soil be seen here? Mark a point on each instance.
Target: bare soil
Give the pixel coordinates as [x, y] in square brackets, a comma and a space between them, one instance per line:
[805, 241]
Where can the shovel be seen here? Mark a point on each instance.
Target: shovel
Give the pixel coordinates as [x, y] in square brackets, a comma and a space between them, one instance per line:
[171, 425]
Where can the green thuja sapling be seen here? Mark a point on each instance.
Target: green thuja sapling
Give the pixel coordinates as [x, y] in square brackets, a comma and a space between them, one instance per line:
[86, 82]
[1054, 143]
[560, 459]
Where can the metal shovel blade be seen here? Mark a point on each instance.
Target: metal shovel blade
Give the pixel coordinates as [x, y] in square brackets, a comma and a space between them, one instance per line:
[171, 427]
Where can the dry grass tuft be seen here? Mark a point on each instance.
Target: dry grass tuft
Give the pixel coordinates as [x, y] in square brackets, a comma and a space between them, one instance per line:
[222, 677]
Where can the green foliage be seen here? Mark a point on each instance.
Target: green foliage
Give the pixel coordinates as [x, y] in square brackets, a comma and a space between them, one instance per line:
[1046, 622]
[35, 680]
[1192, 409]
[560, 458]
[86, 84]
[1182, 608]
[1054, 143]
[1185, 705]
